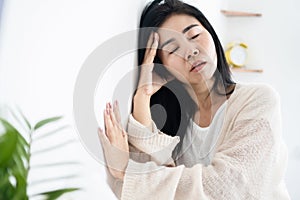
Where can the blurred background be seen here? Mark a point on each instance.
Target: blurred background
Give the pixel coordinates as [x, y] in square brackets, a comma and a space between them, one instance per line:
[43, 45]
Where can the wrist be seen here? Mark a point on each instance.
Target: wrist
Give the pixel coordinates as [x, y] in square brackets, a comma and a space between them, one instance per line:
[141, 108]
[141, 93]
[141, 98]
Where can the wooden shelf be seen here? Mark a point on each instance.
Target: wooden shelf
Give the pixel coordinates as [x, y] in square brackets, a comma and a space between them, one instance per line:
[231, 13]
[235, 69]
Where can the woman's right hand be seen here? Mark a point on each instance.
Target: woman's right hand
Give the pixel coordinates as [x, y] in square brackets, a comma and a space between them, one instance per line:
[149, 81]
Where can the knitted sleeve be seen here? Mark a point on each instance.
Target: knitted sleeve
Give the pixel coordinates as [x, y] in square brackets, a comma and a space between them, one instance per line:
[242, 166]
[150, 144]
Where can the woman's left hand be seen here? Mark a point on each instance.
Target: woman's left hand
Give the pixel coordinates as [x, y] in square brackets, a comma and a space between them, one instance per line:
[114, 141]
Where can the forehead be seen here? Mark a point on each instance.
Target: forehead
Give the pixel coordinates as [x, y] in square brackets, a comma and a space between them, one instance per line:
[178, 22]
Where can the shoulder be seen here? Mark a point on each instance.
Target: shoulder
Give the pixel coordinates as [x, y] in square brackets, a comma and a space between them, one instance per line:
[258, 92]
[254, 101]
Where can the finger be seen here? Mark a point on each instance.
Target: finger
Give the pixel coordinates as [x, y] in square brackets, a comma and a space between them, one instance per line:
[112, 117]
[151, 48]
[151, 51]
[105, 119]
[108, 124]
[150, 40]
[155, 41]
[107, 106]
[117, 112]
[117, 126]
[109, 109]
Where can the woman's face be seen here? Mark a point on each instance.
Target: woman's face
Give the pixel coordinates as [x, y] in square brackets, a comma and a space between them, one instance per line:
[187, 49]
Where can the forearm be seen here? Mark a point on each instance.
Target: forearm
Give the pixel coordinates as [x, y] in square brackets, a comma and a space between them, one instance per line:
[141, 108]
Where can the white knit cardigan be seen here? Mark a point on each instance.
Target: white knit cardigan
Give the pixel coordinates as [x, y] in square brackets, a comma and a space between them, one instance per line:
[249, 160]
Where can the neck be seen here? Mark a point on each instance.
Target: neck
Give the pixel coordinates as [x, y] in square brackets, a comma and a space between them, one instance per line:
[202, 94]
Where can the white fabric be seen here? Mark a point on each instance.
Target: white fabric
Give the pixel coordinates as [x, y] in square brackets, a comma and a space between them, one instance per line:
[247, 162]
[199, 143]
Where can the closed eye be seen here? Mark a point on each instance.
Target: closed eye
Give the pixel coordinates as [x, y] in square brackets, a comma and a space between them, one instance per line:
[174, 50]
[195, 36]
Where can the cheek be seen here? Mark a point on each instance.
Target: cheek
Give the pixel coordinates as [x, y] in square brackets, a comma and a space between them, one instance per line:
[208, 74]
[214, 57]
[216, 60]
[174, 64]
[212, 51]
[208, 47]
[168, 61]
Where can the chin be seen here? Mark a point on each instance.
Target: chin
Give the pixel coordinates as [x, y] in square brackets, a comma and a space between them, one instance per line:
[196, 81]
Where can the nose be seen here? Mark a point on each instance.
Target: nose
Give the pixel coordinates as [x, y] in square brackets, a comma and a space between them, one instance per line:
[192, 53]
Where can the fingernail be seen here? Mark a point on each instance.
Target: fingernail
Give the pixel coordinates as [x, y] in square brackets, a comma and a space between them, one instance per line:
[109, 104]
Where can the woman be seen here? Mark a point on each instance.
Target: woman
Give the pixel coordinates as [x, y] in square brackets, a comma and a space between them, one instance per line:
[220, 140]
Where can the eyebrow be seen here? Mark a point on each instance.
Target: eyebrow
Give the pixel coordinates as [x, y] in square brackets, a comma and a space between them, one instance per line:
[167, 42]
[189, 27]
[184, 31]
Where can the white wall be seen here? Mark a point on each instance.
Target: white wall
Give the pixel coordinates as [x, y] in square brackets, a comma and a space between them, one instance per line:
[44, 43]
[42, 47]
[273, 46]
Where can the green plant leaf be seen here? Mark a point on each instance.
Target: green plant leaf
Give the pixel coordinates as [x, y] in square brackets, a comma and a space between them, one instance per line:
[52, 195]
[46, 121]
[6, 191]
[3, 180]
[7, 126]
[15, 154]
[22, 152]
[19, 166]
[8, 142]
[22, 141]
[21, 187]
[23, 147]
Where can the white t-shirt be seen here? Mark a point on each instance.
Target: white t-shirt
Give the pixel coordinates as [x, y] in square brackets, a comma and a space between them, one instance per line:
[199, 143]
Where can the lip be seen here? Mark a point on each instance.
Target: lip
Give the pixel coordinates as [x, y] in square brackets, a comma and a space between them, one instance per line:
[197, 66]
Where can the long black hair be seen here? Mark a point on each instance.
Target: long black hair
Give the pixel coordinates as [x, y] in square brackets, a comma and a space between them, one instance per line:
[173, 97]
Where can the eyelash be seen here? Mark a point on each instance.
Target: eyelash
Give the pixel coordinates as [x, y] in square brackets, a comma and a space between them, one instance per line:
[174, 50]
[195, 36]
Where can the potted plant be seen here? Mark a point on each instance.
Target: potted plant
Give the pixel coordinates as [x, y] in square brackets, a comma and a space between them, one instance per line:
[15, 156]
